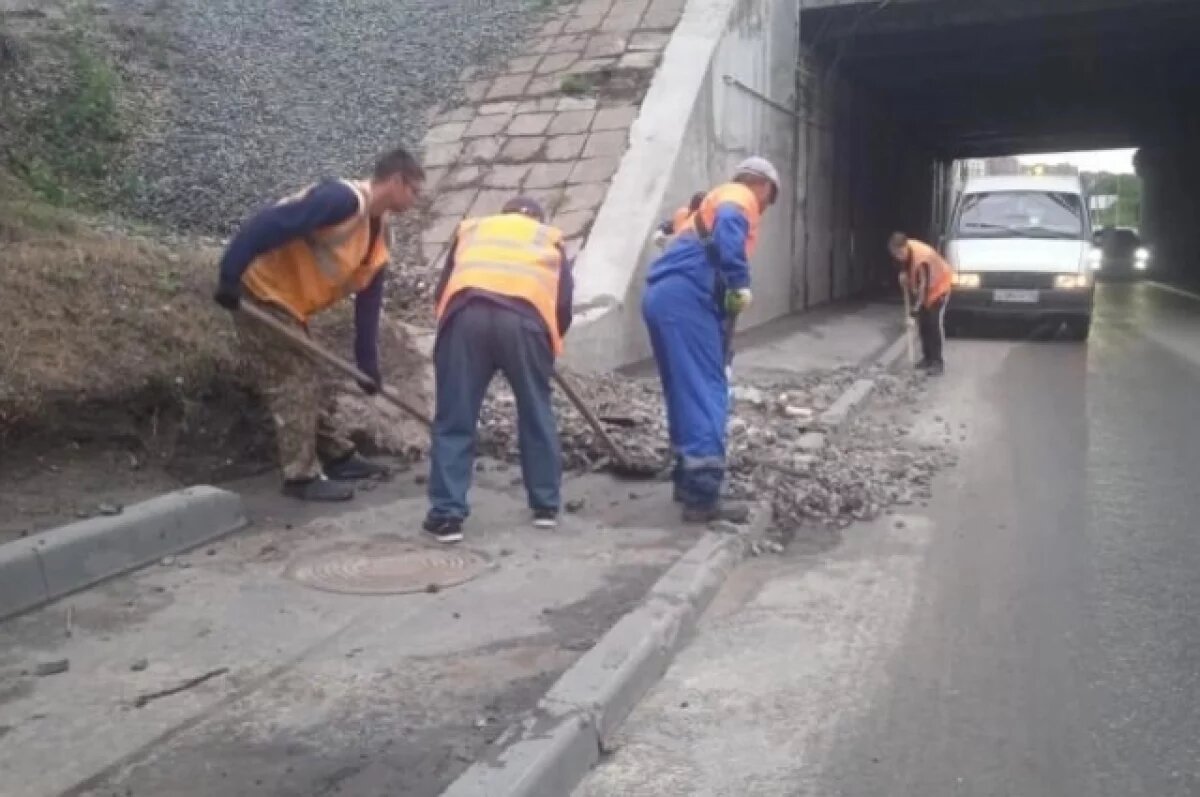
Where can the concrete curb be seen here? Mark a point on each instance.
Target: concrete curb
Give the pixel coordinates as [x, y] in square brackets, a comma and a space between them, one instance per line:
[550, 752]
[40, 569]
[857, 394]
[893, 352]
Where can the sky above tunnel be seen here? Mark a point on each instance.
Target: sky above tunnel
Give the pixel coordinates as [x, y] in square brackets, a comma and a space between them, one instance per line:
[1110, 160]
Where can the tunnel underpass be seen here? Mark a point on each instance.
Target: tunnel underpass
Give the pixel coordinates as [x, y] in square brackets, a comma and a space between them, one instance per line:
[892, 91]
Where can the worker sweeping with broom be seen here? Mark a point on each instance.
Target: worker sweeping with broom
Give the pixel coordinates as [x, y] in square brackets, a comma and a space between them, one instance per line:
[294, 260]
[927, 278]
[694, 290]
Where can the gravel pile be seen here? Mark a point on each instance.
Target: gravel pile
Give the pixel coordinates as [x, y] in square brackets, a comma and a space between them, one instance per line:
[777, 450]
[262, 96]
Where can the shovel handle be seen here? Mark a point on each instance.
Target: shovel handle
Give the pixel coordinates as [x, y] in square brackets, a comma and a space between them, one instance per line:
[589, 416]
[329, 358]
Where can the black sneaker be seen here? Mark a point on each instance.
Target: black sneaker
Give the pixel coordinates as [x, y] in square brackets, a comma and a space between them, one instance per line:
[446, 530]
[733, 512]
[317, 490]
[353, 468]
[923, 364]
[545, 518]
[936, 369]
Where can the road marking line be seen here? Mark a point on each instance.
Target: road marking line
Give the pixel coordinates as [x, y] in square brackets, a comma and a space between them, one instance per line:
[1172, 289]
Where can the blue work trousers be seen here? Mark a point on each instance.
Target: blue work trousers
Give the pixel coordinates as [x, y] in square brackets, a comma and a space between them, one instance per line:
[689, 347]
[479, 339]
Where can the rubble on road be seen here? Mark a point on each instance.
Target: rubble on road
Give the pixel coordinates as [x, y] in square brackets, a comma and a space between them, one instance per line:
[776, 453]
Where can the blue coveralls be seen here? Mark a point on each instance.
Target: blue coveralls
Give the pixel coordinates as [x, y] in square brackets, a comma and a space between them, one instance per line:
[684, 313]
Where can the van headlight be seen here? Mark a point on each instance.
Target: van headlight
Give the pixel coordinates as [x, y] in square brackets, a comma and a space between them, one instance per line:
[966, 279]
[1072, 281]
[1095, 258]
[1141, 258]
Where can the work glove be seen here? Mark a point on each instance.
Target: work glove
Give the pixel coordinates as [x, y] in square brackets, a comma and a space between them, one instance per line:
[228, 296]
[737, 301]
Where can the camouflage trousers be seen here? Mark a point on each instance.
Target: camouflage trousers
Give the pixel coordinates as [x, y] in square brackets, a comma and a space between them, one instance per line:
[298, 394]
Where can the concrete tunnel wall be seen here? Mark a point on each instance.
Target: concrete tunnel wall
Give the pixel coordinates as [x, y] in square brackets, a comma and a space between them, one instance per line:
[851, 174]
[1170, 172]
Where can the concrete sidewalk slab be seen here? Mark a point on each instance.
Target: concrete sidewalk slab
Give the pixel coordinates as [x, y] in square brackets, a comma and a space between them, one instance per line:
[391, 693]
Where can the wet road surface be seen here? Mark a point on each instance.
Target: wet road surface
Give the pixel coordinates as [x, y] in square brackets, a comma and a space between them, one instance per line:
[1034, 631]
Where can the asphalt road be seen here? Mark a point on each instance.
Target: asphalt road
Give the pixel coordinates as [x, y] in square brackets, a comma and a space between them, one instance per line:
[1034, 631]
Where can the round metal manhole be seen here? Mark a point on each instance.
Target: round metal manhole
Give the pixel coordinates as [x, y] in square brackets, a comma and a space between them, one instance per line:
[386, 570]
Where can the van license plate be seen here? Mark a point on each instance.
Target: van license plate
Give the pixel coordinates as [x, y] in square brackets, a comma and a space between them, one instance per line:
[1022, 297]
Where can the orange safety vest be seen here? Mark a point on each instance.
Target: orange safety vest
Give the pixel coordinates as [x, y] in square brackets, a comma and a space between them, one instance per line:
[512, 255]
[307, 275]
[728, 194]
[941, 276]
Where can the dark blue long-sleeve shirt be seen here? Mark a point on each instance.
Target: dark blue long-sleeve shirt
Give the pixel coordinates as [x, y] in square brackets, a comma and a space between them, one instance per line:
[330, 202]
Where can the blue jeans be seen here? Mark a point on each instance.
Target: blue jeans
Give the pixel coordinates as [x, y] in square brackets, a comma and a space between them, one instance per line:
[479, 339]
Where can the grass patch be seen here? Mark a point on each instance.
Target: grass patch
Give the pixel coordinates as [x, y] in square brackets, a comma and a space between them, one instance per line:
[69, 146]
[576, 85]
[88, 316]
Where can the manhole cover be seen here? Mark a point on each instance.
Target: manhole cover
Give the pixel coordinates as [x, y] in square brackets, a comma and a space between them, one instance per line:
[386, 571]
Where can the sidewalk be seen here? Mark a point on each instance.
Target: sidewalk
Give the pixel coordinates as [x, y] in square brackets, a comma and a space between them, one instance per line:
[366, 692]
[319, 692]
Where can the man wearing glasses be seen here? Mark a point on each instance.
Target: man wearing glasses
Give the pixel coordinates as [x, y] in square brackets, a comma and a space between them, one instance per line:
[294, 260]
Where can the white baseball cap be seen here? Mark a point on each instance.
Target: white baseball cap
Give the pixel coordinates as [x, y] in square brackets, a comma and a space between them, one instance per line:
[759, 167]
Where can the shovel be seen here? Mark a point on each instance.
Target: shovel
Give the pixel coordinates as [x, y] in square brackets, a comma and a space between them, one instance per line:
[325, 355]
[622, 465]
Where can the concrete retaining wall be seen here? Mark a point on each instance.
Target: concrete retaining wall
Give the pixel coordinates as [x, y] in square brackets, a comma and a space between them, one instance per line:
[692, 129]
[853, 175]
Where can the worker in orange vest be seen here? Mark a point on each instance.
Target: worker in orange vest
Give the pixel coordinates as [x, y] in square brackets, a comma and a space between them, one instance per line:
[503, 304]
[928, 278]
[294, 260]
[678, 219]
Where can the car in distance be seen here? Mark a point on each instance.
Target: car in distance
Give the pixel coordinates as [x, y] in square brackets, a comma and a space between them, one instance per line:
[1120, 253]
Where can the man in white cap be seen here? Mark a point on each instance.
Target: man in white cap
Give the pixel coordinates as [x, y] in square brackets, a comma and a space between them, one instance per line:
[693, 290]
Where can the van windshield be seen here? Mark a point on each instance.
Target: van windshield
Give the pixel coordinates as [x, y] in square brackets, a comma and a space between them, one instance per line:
[1021, 214]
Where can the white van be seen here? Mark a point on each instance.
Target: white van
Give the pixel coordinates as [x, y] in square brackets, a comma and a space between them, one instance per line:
[1022, 247]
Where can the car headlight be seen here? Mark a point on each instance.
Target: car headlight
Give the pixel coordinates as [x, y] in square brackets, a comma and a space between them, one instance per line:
[966, 280]
[1072, 281]
[1095, 258]
[1141, 258]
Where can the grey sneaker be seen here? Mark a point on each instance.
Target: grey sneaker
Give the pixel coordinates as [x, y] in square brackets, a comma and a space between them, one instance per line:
[317, 490]
[446, 530]
[354, 467]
